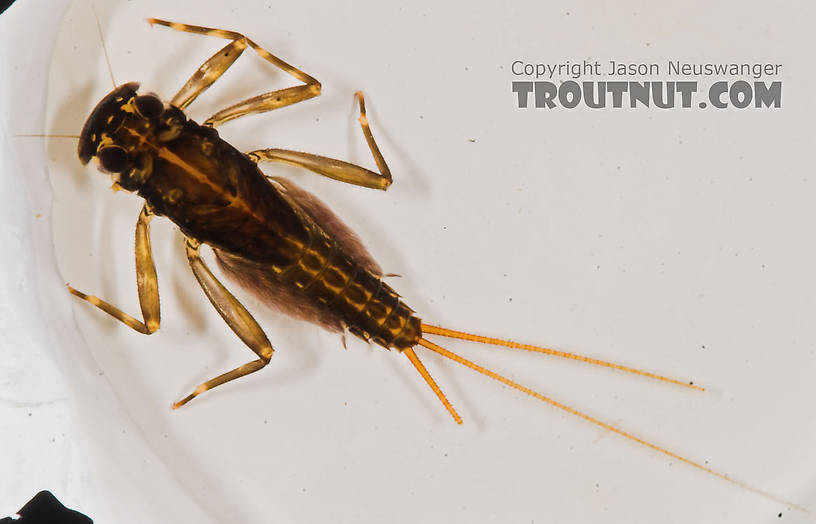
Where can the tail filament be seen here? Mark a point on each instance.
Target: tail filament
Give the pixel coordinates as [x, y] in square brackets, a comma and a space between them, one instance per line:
[428, 329]
[435, 330]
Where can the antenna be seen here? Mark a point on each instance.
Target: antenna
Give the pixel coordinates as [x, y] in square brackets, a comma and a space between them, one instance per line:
[104, 49]
[50, 136]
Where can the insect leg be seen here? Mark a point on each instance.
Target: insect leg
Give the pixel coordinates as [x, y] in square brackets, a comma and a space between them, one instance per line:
[336, 169]
[146, 283]
[237, 318]
[213, 68]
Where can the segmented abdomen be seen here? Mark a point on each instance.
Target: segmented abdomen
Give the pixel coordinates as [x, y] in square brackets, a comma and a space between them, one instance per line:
[362, 302]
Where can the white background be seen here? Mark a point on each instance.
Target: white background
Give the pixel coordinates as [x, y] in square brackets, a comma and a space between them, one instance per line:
[678, 241]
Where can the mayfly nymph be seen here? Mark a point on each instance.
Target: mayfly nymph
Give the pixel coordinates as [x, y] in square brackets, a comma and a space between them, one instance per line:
[268, 234]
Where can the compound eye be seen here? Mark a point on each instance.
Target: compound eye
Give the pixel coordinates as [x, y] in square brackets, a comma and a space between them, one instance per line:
[149, 106]
[114, 159]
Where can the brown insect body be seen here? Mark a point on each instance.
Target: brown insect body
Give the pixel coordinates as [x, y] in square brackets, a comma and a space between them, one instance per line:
[271, 236]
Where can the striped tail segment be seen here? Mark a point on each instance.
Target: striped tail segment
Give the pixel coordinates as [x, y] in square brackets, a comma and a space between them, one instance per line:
[372, 310]
[364, 304]
[436, 330]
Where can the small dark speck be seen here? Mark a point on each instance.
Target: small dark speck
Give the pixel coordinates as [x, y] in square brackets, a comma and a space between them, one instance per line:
[472, 140]
[466, 69]
[101, 373]
[29, 413]
[510, 299]
[266, 422]
[648, 44]
[702, 347]
[317, 119]
[303, 490]
[780, 515]
[691, 382]
[444, 228]
[567, 13]
[421, 117]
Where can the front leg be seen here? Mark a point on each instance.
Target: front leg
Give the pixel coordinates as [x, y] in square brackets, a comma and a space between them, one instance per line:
[147, 283]
[217, 64]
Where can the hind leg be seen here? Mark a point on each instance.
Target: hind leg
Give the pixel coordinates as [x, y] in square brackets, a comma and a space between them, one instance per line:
[237, 318]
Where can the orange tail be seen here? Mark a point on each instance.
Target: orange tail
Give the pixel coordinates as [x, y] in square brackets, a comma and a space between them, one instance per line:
[572, 411]
[435, 330]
